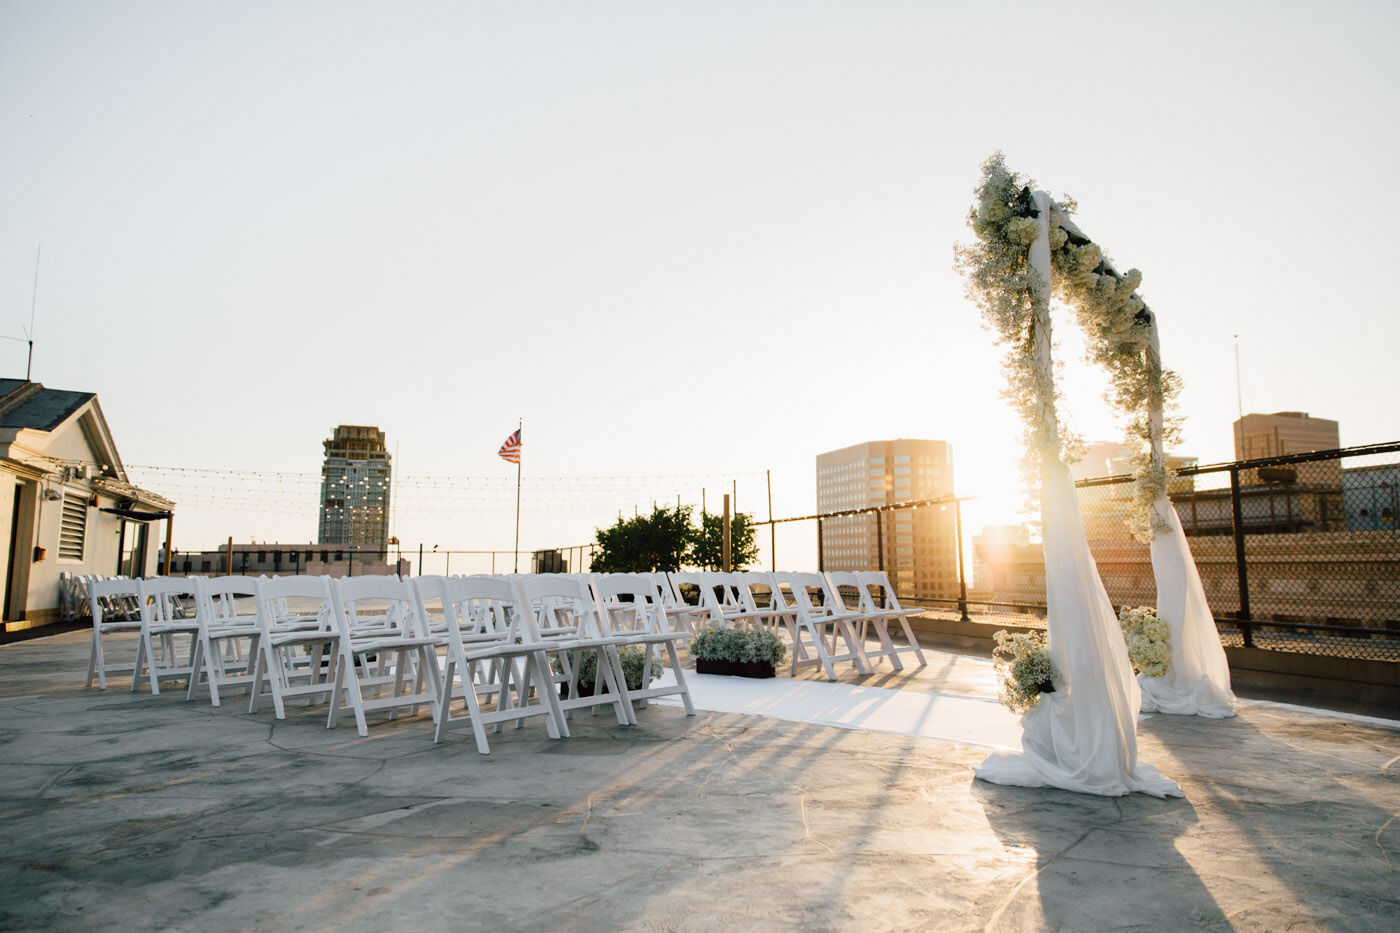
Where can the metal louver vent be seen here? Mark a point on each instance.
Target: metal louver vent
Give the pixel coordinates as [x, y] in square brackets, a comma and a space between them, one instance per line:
[72, 529]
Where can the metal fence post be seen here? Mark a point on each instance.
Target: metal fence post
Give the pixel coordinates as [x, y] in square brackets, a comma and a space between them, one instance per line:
[1241, 573]
[962, 578]
[880, 540]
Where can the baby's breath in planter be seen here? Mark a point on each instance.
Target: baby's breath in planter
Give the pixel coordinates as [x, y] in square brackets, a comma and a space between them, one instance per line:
[633, 670]
[1023, 668]
[1149, 641]
[737, 652]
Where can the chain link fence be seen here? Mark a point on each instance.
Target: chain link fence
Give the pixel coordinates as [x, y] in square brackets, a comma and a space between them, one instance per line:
[1298, 553]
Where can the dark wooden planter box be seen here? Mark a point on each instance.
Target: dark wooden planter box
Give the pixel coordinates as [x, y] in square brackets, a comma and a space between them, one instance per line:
[734, 668]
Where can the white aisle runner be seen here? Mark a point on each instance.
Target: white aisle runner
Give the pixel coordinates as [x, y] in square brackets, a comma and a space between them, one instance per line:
[970, 720]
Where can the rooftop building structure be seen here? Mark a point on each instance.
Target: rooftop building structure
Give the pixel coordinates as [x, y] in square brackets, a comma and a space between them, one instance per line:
[355, 480]
[917, 548]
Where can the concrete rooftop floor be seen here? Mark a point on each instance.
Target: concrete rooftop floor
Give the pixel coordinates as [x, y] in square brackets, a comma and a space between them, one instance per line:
[125, 810]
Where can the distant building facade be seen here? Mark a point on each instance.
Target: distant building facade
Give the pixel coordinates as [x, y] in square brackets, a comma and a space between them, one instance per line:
[355, 482]
[1372, 497]
[916, 547]
[288, 560]
[1288, 432]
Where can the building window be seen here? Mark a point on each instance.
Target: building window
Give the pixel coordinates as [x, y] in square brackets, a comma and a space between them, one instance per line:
[72, 528]
[325, 556]
[262, 556]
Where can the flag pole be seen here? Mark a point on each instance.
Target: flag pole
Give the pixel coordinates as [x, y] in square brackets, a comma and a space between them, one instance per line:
[520, 436]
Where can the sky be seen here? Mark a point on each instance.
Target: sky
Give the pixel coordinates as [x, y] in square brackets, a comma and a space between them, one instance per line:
[690, 244]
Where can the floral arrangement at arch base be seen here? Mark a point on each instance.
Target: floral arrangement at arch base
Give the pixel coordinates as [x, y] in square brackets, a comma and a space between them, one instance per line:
[1149, 640]
[1023, 669]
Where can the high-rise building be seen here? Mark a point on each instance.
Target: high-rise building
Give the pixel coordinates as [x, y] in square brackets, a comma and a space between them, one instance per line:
[355, 488]
[917, 548]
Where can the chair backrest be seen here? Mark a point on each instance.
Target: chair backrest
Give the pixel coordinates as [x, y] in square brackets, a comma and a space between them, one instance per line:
[562, 606]
[633, 602]
[112, 600]
[377, 605]
[479, 610]
[295, 604]
[812, 596]
[166, 600]
[707, 584]
[759, 592]
[669, 597]
[220, 599]
[848, 587]
[877, 589]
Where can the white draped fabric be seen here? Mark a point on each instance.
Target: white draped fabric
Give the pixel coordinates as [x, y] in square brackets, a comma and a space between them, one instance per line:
[1083, 736]
[1198, 683]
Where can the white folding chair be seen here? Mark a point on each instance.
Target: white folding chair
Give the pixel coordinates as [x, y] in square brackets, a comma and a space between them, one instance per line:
[637, 617]
[110, 602]
[762, 598]
[820, 617]
[166, 619]
[385, 659]
[880, 605]
[719, 598]
[298, 641]
[492, 652]
[568, 619]
[228, 634]
[682, 613]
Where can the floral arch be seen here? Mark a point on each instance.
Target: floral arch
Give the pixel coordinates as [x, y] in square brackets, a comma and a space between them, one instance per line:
[1028, 250]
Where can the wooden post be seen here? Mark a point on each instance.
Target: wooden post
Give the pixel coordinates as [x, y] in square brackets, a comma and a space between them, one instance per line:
[724, 565]
[165, 571]
[772, 528]
[230, 555]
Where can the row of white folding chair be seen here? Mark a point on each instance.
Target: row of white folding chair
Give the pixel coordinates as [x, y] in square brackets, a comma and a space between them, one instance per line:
[502, 631]
[272, 650]
[370, 644]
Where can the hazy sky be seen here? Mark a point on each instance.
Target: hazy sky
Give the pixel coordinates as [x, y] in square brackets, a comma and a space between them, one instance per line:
[675, 238]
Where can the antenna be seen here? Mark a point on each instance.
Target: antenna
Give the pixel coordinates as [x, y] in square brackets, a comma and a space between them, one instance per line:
[33, 306]
[29, 332]
[1239, 395]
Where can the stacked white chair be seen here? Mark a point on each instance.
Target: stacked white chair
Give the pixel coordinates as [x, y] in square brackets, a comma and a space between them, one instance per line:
[384, 658]
[110, 602]
[821, 625]
[228, 634]
[637, 617]
[166, 621]
[493, 651]
[568, 619]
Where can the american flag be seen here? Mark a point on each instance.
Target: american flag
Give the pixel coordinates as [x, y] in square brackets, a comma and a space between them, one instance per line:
[510, 450]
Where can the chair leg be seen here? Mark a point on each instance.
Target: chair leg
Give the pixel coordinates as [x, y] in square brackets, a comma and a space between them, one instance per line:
[194, 673]
[551, 696]
[913, 642]
[97, 661]
[680, 678]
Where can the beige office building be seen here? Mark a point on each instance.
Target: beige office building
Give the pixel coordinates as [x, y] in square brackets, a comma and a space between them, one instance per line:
[916, 547]
[1288, 432]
